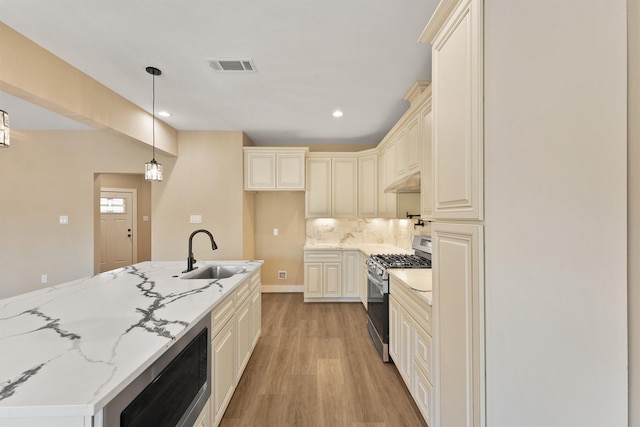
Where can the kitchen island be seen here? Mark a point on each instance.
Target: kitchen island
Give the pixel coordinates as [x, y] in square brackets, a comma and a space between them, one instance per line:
[67, 350]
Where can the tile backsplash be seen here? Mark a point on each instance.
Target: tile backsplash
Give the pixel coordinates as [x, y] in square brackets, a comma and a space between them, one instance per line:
[397, 232]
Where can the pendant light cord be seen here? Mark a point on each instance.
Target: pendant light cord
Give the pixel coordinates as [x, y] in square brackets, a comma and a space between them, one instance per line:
[153, 113]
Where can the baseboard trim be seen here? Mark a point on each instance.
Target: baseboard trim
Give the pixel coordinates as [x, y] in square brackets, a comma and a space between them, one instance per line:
[274, 289]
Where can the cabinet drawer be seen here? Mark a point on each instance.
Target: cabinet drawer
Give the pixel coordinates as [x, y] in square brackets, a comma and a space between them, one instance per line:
[322, 256]
[423, 351]
[221, 314]
[242, 292]
[423, 395]
[255, 280]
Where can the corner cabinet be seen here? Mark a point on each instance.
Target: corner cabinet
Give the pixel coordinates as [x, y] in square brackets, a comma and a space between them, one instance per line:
[457, 72]
[274, 168]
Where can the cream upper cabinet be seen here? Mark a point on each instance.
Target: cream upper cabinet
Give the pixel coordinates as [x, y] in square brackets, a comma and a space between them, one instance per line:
[368, 184]
[426, 174]
[407, 148]
[458, 114]
[332, 186]
[274, 168]
[318, 193]
[387, 202]
[344, 187]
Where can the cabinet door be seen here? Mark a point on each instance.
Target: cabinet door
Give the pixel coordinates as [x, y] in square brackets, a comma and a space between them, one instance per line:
[458, 295]
[387, 202]
[363, 281]
[394, 329]
[318, 192]
[290, 171]
[223, 373]
[426, 174]
[351, 274]
[368, 186]
[259, 171]
[344, 187]
[244, 337]
[256, 315]
[332, 279]
[401, 154]
[412, 148]
[423, 395]
[457, 115]
[313, 278]
[405, 344]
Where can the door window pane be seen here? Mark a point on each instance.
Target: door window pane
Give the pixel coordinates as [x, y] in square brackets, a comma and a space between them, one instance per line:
[112, 205]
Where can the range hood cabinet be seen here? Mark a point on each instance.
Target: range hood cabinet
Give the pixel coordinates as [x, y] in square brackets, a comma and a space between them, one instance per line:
[405, 184]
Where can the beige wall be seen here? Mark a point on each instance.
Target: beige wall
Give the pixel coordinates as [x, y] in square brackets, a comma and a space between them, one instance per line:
[284, 211]
[633, 200]
[207, 180]
[45, 174]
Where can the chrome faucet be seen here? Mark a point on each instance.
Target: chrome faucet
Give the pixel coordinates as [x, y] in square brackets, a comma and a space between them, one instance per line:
[191, 260]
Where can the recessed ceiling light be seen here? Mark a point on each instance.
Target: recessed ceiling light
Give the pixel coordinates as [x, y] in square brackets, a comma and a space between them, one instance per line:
[164, 114]
[337, 113]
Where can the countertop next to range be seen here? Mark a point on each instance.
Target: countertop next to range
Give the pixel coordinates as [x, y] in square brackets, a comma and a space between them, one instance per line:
[69, 349]
[417, 280]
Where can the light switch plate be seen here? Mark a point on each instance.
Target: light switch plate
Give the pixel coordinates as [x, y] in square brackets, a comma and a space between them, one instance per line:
[275, 231]
[195, 219]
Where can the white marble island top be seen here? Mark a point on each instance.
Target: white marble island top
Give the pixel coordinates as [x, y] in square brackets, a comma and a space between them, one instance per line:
[69, 349]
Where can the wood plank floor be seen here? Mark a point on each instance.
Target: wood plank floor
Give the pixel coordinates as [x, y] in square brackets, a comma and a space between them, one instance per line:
[315, 366]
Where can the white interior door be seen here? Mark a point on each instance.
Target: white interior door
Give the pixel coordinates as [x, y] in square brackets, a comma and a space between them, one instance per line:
[117, 211]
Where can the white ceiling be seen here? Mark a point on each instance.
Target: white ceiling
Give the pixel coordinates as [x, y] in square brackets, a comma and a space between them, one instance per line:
[312, 57]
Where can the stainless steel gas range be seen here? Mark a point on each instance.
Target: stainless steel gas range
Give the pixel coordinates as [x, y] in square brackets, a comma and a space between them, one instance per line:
[378, 288]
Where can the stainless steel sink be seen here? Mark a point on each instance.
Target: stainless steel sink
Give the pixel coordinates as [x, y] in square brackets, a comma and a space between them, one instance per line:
[211, 272]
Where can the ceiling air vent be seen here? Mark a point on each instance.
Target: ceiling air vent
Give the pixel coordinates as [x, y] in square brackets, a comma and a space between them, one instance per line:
[232, 64]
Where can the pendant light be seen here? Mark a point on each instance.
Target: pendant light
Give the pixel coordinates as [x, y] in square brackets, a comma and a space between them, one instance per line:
[4, 129]
[153, 169]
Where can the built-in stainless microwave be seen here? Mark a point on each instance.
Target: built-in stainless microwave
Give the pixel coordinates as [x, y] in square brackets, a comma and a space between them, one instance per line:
[171, 392]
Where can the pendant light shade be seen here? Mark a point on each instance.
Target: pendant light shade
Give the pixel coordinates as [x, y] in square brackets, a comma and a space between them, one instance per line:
[153, 169]
[4, 129]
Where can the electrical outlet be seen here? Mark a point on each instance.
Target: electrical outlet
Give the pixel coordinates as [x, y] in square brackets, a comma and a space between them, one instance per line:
[195, 219]
[64, 219]
[282, 275]
[44, 279]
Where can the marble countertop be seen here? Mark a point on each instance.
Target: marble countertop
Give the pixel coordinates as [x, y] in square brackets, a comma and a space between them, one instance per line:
[67, 350]
[366, 248]
[416, 279]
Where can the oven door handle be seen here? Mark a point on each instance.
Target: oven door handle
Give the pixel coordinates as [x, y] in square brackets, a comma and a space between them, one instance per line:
[377, 281]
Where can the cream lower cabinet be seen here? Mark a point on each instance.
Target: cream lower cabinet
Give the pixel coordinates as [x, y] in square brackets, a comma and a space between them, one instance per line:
[235, 326]
[410, 345]
[331, 275]
[351, 274]
[363, 280]
[204, 419]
